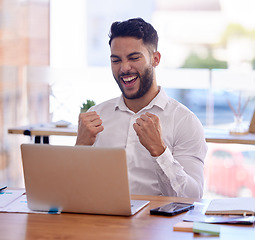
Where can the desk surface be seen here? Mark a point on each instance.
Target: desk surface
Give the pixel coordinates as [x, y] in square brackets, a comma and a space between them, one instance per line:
[211, 134]
[223, 136]
[85, 226]
[46, 129]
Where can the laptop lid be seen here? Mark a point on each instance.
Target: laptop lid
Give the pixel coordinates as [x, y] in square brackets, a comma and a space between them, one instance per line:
[79, 179]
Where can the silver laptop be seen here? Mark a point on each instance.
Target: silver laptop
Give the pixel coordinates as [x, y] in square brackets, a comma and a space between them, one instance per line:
[78, 179]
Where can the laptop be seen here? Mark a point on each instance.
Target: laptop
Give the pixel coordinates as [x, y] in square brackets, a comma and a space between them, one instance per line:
[77, 179]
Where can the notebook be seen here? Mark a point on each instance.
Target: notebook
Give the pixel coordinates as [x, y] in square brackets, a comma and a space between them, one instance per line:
[77, 179]
[234, 206]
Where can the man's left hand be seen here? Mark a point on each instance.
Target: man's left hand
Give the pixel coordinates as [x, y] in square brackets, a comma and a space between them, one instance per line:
[148, 130]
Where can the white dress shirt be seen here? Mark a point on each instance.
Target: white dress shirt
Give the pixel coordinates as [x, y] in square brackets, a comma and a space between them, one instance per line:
[179, 170]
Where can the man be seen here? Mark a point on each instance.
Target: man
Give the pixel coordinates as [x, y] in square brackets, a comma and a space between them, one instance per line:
[164, 141]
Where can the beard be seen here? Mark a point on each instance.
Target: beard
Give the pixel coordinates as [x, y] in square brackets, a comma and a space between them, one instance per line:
[146, 81]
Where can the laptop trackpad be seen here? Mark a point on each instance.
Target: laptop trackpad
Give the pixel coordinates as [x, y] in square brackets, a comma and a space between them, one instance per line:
[137, 205]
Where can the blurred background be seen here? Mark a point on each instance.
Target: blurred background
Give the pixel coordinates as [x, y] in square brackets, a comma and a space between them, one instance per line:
[54, 55]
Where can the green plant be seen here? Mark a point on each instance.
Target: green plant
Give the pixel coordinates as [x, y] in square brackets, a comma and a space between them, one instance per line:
[196, 61]
[87, 105]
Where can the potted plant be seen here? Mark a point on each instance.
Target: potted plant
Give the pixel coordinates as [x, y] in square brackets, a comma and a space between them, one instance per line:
[87, 105]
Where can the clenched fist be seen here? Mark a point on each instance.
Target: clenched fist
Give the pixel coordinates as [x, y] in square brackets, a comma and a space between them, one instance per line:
[89, 126]
[148, 130]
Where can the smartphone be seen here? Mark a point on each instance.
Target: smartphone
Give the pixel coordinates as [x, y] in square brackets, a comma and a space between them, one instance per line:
[172, 209]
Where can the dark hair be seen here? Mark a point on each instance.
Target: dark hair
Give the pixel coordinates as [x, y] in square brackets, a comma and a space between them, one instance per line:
[137, 28]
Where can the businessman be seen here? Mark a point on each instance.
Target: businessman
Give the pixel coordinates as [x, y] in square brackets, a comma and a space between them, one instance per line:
[164, 141]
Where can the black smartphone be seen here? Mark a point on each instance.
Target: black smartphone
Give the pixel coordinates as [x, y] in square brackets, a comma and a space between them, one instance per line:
[172, 209]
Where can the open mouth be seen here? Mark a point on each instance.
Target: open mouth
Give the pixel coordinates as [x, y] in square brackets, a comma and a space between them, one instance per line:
[129, 80]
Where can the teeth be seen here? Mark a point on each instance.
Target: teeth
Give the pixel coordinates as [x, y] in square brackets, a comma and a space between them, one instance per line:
[128, 79]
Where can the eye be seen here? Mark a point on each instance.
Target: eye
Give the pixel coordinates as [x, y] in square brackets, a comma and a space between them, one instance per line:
[115, 60]
[134, 59]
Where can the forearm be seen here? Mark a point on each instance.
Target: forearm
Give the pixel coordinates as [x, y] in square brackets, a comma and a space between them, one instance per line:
[183, 178]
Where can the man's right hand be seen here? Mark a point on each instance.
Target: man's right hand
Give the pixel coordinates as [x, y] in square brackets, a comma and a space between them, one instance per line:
[89, 126]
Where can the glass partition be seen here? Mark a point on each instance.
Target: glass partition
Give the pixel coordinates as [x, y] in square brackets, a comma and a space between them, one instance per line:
[42, 83]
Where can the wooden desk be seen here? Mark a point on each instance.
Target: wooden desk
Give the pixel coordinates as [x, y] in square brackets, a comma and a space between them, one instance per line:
[46, 130]
[83, 226]
[222, 136]
[41, 132]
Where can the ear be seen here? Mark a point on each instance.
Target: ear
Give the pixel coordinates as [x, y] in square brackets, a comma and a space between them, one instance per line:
[156, 58]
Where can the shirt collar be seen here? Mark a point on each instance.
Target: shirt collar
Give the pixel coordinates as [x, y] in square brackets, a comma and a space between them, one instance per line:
[120, 104]
[160, 101]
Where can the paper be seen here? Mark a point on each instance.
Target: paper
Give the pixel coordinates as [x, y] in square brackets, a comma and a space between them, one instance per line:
[198, 215]
[8, 196]
[212, 229]
[197, 227]
[239, 206]
[15, 201]
[183, 227]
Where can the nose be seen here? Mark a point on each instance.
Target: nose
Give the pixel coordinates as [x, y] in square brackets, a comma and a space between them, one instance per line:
[125, 67]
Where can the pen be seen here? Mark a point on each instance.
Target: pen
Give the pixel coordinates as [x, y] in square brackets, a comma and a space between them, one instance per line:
[3, 187]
